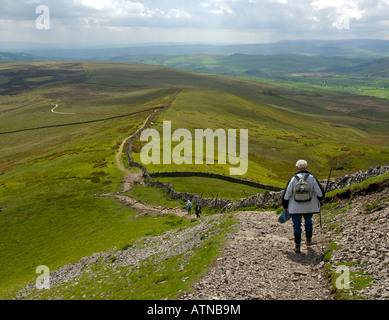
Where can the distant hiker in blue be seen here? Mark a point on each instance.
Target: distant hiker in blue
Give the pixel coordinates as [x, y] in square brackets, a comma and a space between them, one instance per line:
[188, 206]
[302, 198]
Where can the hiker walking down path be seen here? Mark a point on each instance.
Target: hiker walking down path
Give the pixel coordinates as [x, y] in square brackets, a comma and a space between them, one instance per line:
[301, 198]
[188, 207]
[198, 210]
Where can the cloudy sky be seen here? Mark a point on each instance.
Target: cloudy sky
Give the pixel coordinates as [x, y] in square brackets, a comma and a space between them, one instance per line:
[106, 22]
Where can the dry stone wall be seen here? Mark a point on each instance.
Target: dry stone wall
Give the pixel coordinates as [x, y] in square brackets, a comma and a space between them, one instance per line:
[267, 199]
[357, 177]
[262, 200]
[215, 176]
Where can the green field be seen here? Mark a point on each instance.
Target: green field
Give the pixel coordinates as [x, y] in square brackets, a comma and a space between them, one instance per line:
[351, 75]
[49, 176]
[212, 188]
[283, 125]
[52, 165]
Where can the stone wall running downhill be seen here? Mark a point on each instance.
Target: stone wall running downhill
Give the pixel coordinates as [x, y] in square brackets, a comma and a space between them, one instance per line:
[267, 199]
[357, 177]
[250, 183]
[261, 200]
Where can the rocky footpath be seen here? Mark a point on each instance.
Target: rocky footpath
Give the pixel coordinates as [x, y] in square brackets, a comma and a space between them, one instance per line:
[259, 263]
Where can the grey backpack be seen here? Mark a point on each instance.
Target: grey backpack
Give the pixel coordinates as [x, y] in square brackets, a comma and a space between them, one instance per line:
[302, 189]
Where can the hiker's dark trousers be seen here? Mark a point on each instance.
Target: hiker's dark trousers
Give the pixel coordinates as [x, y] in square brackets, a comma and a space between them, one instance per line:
[297, 218]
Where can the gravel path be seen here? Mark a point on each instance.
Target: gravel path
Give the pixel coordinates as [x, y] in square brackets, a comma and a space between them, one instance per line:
[259, 263]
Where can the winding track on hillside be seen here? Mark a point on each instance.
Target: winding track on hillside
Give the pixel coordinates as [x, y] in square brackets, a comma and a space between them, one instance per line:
[56, 106]
[258, 261]
[131, 178]
[81, 122]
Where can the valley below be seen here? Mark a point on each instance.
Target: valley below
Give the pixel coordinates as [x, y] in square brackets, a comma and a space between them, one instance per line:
[75, 196]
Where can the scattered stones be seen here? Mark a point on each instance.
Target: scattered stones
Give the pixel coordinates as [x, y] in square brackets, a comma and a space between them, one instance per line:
[258, 261]
[363, 241]
[263, 267]
[359, 176]
[171, 243]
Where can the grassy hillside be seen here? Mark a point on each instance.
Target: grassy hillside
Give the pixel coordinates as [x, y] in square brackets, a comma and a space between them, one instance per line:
[53, 164]
[375, 68]
[355, 75]
[241, 64]
[284, 124]
[48, 177]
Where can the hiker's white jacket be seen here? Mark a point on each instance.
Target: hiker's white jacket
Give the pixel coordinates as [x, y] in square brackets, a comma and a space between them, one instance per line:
[312, 206]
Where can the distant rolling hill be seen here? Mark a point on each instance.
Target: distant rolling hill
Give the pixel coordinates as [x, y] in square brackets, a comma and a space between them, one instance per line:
[356, 48]
[283, 122]
[343, 74]
[375, 68]
[244, 64]
[267, 65]
[348, 75]
[358, 66]
[9, 56]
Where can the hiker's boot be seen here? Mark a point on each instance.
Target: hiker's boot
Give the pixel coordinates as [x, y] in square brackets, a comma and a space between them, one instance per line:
[309, 238]
[297, 241]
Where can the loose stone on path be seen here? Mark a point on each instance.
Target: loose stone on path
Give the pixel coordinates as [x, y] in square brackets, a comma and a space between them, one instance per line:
[259, 263]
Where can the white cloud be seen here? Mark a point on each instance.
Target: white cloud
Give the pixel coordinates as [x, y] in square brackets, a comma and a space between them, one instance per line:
[279, 1]
[222, 9]
[342, 7]
[96, 4]
[269, 20]
[177, 13]
[116, 8]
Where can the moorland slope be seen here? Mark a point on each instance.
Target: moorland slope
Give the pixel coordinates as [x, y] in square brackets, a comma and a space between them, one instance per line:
[52, 165]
